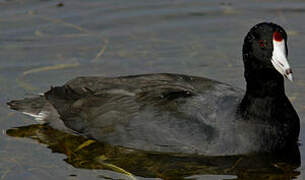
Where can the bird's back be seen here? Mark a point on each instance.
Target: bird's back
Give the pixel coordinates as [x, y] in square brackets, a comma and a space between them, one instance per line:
[155, 112]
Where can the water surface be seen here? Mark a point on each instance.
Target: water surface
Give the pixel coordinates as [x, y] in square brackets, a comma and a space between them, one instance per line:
[43, 43]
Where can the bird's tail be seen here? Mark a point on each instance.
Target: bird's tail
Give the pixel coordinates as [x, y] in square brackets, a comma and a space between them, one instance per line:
[30, 106]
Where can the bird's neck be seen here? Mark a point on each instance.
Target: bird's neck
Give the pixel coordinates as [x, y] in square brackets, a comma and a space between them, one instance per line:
[265, 89]
[263, 81]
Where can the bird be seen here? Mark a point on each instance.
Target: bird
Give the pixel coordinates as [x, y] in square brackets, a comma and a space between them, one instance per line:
[177, 113]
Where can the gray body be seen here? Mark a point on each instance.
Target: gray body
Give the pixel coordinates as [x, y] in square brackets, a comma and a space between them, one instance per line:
[157, 112]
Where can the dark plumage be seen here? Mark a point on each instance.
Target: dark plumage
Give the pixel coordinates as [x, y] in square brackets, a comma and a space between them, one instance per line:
[180, 113]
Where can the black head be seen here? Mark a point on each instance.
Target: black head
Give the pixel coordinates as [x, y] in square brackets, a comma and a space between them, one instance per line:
[265, 50]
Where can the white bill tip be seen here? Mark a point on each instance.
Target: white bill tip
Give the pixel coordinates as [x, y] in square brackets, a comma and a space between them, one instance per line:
[279, 59]
[289, 76]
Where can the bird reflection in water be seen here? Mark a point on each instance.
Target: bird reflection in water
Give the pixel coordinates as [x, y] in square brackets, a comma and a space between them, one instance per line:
[89, 154]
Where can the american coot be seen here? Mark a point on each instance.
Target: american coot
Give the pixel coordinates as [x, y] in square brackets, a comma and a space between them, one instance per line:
[180, 113]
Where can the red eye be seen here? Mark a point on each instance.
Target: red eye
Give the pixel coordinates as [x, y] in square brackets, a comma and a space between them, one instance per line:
[277, 36]
[261, 43]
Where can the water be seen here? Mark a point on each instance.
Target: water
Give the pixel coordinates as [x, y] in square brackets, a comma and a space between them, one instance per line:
[44, 44]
